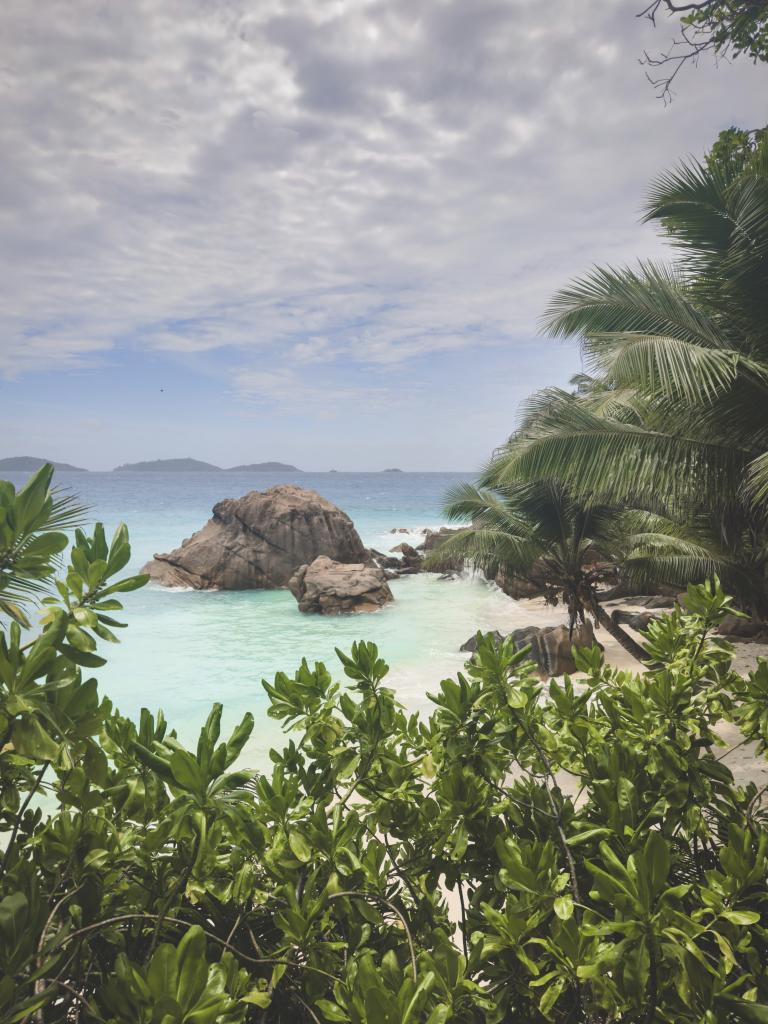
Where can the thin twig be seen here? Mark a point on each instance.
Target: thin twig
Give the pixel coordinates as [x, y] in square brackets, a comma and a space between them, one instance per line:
[21, 813]
[211, 935]
[393, 908]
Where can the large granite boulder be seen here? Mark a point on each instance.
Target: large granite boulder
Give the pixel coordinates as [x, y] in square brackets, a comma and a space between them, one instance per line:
[258, 542]
[551, 646]
[331, 588]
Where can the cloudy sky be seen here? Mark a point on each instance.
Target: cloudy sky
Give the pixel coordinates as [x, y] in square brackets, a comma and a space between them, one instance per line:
[320, 231]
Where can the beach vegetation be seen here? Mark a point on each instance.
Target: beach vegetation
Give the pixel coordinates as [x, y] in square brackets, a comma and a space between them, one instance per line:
[573, 553]
[671, 414]
[571, 851]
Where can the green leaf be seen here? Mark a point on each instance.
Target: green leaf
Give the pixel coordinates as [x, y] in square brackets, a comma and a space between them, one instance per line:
[299, 846]
[563, 907]
[744, 917]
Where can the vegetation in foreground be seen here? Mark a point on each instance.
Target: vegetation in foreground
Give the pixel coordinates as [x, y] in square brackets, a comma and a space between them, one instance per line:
[601, 863]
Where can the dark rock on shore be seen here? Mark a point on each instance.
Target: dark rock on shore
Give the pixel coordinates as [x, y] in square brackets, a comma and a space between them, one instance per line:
[516, 588]
[648, 601]
[746, 629]
[258, 542]
[470, 646]
[327, 587]
[384, 561]
[551, 646]
[638, 620]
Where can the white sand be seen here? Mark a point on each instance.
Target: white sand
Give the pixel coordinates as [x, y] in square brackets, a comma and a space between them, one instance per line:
[744, 762]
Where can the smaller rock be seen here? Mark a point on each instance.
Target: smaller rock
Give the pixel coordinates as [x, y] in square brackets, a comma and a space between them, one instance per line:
[649, 601]
[406, 549]
[326, 587]
[383, 561]
[516, 588]
[551, 647]
[638, 621]
[471, 645]
[434, 538]
[747, 629]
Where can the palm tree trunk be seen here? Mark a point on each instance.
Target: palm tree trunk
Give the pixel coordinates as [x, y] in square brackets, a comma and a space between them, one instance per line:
[620, 636]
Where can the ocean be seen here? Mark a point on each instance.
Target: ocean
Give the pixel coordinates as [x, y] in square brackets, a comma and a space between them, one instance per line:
[183, 650]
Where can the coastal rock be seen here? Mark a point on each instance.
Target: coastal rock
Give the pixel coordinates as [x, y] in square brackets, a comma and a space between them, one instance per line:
[433, 540]
[551, 646]
[258, 542]
[648, 601]
[383, 561]
[470, 646]
[746, 629]
[516, 588]
[638, 621]
[327, 587]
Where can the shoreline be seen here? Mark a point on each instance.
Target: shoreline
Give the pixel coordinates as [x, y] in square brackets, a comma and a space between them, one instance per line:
[743, 760]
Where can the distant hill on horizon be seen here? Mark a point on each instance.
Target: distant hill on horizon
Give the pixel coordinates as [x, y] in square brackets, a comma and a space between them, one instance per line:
[29, 463]
[169, 465]
[196, 466]
[265, 467]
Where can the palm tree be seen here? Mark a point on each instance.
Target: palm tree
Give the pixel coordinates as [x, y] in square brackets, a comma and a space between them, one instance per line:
[539, 533]
[677, 407]
[31, 538]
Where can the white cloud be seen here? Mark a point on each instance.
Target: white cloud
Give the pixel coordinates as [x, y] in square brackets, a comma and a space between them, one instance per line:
[371, 181]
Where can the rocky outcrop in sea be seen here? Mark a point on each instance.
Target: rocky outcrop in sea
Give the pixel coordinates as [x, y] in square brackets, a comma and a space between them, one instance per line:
[327, 587]
[258, 542]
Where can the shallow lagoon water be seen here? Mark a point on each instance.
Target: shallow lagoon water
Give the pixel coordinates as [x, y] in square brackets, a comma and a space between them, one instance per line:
[183, 649]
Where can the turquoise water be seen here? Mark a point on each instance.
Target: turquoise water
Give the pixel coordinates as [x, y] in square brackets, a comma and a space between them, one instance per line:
[183, 650]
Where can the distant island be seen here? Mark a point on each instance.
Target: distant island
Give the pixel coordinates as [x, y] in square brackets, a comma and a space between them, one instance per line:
[265, 467]
[196, 466]
[28, 463]
[392, 471]
[169, 466]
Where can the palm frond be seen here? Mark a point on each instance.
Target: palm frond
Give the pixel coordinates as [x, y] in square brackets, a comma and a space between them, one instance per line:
[654, 300]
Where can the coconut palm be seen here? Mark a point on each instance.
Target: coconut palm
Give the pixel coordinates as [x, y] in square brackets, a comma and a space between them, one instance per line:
[539, 533]
[678, 355]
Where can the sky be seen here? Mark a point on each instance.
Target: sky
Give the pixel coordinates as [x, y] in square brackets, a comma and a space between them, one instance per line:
[317, 231]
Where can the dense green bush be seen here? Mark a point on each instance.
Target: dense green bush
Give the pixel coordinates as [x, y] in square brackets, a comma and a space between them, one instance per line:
[600, 862]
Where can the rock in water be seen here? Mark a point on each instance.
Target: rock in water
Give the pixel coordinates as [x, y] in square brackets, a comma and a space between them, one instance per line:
[258, 542]
[330, 588]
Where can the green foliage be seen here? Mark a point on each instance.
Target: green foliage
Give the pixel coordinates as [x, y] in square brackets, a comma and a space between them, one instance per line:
[732, 28]
[565, 852]
[723, 28]
[673, 417]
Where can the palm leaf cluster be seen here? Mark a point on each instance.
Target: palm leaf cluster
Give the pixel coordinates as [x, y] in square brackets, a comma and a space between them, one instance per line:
[671, 414]
[32, 525]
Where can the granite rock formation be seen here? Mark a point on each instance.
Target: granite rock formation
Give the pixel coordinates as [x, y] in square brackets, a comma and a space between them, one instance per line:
[551, 646]
[327, 587]
[258, 542]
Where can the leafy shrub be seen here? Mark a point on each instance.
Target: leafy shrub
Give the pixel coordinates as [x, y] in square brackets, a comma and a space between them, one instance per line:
[575, 851]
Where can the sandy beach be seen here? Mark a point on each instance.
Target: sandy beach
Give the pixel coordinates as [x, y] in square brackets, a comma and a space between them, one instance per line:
[746, 765]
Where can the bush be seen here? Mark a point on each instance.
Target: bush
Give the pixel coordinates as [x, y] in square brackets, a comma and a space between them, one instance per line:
[602, 864]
